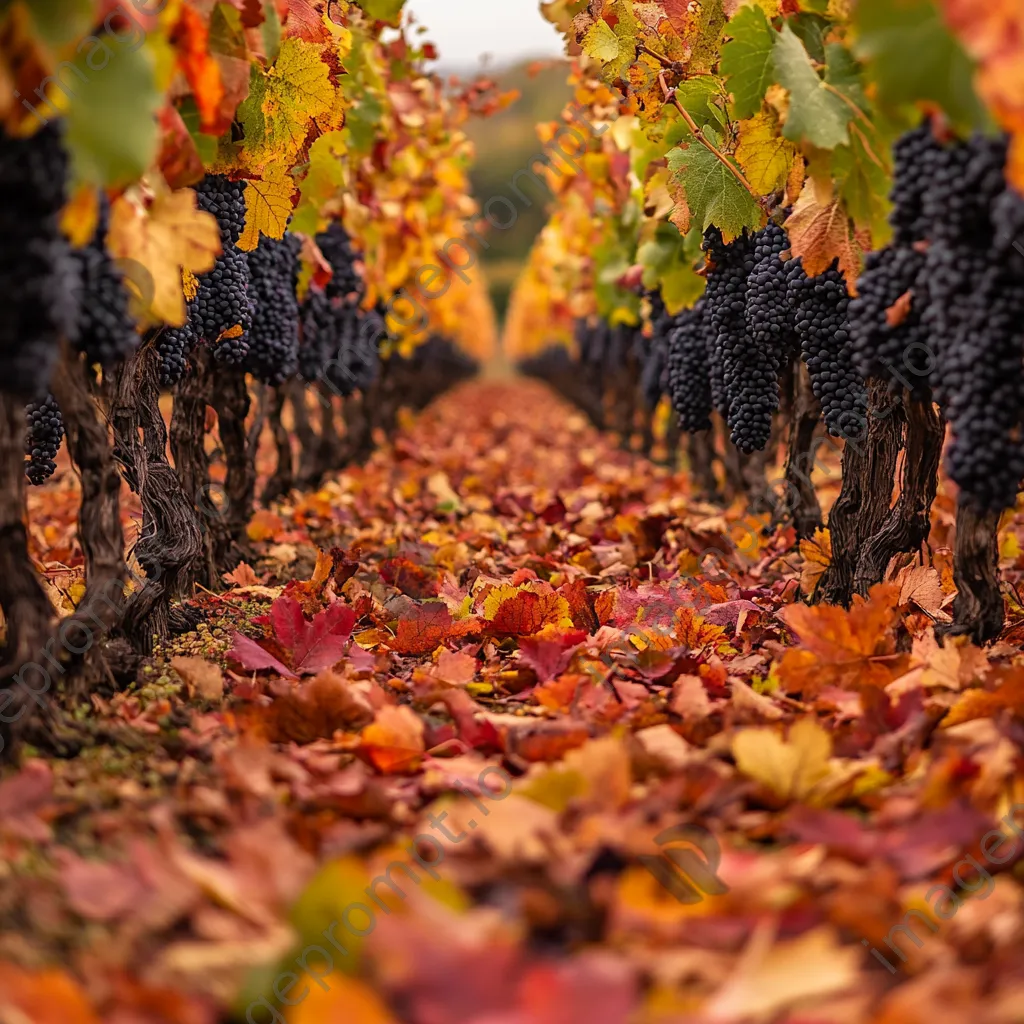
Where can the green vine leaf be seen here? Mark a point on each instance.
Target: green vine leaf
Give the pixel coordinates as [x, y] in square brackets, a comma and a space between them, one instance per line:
[747, 60]
[713, 194]
[816, 114]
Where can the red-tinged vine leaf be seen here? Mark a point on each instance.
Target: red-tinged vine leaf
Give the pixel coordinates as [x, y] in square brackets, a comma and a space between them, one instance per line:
[820, 232]
[1008, 695]
[191, 40]
[843, 648]
[549, 655]
[178, 158]
[394, 740]
[43, 997]
[528, 613]
[287, 101]
[900, 309]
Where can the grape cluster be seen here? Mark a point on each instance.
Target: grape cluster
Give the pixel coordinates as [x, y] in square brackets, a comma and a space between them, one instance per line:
[38, 277]
[974, 315]
[338, 343]
[889, 337]
[106, 329]
[336, 247]
[274, 339]
[821, 317]
[726, 281]
[917, 155]
[223, 308]
[43, 439]
[317, 333]
[175, 344]
[689, 381]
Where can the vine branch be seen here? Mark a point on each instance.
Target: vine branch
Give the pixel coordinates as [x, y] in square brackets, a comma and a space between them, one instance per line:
[670, 97]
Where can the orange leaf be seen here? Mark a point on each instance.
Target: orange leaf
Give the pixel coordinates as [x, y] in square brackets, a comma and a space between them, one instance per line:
[820, 233]
[345, 999]
[191, 39]
[1008, 695]
[264, 525]
[693, 632]
[428, 628]
[900, 309]
[42, 997]
[843, 648]
[394, 740]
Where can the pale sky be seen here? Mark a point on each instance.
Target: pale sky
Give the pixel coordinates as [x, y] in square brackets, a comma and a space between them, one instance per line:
[509, 30]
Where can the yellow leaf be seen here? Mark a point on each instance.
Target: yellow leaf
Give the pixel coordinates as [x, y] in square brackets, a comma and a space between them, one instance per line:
[772, 976]
[159, 241]
[817, 555]
[268, 205]
[763, 154]
[284, 102]
[79, 217]
[790, 768]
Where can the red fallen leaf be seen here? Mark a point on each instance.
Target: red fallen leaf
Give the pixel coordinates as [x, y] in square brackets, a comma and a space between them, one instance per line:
[728, 613]
[477, 733]
[23, 798]
[550, 656]
[99, 891]
[427, 627]
[313, 646]
[581, 605]
[143, 1004]
[411, 579]
[251, 656]
[528, 613]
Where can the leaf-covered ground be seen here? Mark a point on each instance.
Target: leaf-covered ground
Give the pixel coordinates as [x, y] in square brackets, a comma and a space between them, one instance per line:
[409, 765]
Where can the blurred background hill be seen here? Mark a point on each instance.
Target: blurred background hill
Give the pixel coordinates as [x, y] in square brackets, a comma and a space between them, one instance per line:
[505, 144]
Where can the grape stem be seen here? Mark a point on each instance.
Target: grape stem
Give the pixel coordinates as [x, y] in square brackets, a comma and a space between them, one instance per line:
[670, 97]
